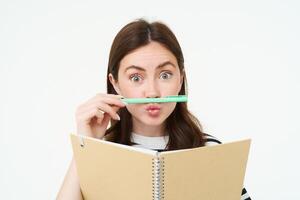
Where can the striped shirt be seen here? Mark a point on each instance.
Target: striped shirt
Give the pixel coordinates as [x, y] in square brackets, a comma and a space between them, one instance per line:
[159, 143]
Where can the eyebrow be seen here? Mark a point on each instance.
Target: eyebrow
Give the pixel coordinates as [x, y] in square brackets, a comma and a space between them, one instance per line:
[142, 69]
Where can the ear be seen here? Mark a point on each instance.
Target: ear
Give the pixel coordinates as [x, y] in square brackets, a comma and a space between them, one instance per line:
[181, 80]
[114, 83]
[181, 77]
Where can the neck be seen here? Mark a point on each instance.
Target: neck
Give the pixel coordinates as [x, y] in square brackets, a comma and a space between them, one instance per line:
[147, 130]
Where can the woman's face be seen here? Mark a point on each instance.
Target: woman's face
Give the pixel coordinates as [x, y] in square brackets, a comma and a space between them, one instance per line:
[149, 71]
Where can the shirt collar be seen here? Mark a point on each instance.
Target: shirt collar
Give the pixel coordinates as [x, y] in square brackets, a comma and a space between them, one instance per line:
[156, 142]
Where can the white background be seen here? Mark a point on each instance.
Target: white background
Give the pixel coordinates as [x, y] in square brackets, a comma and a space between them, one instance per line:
[242, 62]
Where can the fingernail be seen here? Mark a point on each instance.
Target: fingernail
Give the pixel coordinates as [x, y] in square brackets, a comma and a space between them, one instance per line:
[118, 117]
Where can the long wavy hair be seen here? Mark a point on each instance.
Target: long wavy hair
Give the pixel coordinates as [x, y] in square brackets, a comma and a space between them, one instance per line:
[184, 129]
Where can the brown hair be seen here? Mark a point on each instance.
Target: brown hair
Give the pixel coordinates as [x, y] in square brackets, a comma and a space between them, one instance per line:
[185, 131]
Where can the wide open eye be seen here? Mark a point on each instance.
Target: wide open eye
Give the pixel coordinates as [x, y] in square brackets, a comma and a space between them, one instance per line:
[135, 77]
[166, 75]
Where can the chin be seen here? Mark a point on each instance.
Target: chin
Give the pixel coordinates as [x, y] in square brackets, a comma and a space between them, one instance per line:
[150, 121]
[153, 122]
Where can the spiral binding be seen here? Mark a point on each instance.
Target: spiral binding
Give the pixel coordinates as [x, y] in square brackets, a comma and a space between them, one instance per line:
[158, 178]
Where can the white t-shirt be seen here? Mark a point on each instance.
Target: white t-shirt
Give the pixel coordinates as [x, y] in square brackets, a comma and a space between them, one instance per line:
[160, 142]
[155, 143]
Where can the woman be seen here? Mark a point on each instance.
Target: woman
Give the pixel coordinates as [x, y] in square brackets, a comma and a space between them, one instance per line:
[145, 61]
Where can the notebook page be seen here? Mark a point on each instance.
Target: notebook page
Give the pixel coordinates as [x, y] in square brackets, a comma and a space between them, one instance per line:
[114, 172]
[213, 172]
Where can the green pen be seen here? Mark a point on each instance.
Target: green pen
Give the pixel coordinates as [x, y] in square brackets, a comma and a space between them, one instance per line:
[176, 98]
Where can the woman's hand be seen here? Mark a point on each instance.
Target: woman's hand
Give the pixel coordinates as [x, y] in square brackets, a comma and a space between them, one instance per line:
[93, 116]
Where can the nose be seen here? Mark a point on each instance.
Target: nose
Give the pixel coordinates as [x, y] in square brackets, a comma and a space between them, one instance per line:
[152, 90]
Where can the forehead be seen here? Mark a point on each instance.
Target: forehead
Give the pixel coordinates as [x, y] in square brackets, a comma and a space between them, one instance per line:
[148, 57]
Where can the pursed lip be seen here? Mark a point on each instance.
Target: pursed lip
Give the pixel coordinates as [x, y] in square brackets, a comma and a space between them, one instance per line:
[152, 107]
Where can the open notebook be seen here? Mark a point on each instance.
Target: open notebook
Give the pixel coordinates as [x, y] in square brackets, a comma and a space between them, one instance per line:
[111, 171]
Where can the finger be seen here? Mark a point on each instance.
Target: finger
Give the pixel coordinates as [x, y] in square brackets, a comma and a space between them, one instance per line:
[89, 114]
[103, 107]
[99, 96]
[100, 116]
[104, 121]
[108, 109]
[108, 100]
[115, 95]
[115, 108]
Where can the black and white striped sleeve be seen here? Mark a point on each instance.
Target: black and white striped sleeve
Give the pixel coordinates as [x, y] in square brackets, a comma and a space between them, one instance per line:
[211, 140]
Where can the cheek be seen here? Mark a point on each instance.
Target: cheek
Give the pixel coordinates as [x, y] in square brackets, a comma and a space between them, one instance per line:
[135, 109]
[171, 88]
[170, 91]
[127, 91]
[131, 93]
[168, 108]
